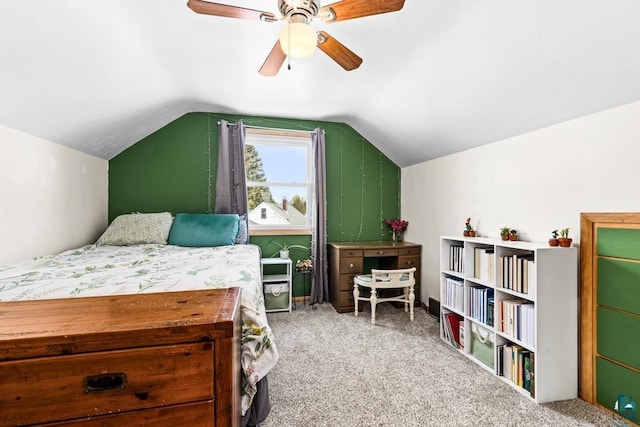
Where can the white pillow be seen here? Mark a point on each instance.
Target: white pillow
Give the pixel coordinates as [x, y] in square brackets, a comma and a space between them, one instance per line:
[137, 229]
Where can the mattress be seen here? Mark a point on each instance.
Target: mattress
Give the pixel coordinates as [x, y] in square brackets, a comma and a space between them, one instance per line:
[109, 270]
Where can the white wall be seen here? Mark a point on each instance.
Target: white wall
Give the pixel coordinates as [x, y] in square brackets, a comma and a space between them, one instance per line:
[52, 198]
[534, 183]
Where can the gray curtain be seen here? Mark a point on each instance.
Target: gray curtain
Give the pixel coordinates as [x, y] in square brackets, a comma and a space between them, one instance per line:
[231, 182]
[320, 282]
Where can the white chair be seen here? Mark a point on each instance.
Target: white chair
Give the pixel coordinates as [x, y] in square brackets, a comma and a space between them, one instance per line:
[386, 279]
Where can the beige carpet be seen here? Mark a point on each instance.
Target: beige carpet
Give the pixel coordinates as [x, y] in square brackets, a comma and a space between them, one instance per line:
[339, 370]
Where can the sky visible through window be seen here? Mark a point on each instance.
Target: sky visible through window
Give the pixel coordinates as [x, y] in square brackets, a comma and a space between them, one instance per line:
[283, 164]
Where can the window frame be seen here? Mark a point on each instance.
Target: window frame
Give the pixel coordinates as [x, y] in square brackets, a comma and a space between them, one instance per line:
[277, 137]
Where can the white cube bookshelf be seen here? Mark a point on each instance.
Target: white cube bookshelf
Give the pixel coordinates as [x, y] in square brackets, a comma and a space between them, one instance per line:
[547, 316]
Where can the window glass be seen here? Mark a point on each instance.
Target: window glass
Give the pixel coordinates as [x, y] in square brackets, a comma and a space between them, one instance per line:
[279, 181]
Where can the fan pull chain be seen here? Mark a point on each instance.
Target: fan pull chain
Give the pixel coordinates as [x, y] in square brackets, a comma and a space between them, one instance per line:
[289, 43]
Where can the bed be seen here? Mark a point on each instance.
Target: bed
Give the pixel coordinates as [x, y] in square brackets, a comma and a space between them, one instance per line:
[140, 267]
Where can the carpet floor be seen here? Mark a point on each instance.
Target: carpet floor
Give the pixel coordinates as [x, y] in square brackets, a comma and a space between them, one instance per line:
[339, 370]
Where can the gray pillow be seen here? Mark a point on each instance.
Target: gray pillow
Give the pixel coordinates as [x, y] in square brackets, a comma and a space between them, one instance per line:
[137, 229]
[243, 231]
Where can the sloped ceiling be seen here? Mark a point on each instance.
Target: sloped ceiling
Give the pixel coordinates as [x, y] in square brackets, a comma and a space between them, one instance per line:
[438, 76]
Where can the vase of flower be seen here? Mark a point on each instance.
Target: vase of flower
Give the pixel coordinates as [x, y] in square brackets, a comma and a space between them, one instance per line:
[397, 227]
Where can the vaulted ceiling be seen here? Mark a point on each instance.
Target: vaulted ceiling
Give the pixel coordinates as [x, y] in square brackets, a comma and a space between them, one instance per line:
[438, 76]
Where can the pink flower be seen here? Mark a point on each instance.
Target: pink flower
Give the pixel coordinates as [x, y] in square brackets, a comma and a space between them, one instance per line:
[397, 224]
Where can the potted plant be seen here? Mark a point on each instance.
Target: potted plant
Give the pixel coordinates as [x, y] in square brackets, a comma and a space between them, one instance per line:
[468, 229]
[285, 247]
[553, 241]
[504, 233]
[564, 239]
[513, 234]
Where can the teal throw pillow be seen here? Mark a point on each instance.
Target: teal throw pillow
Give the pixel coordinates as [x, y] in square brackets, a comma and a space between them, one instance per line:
[201, 230]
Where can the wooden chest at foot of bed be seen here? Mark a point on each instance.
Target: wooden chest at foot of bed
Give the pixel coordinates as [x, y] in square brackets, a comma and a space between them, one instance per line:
[154, 359]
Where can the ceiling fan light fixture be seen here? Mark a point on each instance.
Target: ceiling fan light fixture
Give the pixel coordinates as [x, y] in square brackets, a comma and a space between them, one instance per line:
[298, 40]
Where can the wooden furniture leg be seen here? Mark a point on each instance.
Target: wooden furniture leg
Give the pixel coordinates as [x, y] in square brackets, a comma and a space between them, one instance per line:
[356, 294]
[374, 301]
[412, 298]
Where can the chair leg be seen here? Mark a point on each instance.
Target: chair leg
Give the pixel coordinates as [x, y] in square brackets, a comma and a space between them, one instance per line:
[412, 298]
[374, 301]
[356, 295]
[405, 291]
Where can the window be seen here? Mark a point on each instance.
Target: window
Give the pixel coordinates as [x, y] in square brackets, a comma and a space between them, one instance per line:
[279, 179]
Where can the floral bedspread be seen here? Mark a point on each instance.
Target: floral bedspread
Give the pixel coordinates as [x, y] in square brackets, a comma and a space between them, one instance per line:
[108, 270]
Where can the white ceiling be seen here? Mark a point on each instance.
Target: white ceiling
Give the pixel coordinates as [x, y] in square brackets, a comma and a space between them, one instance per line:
[438, 76]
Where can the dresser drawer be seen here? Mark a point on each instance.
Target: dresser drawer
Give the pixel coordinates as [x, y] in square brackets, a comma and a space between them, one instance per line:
[198, 414]
[83, 385]
[350, 265]
[409, 261]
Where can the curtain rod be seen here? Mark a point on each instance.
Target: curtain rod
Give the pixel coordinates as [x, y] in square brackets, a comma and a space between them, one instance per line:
[270, 128]
[277, 129]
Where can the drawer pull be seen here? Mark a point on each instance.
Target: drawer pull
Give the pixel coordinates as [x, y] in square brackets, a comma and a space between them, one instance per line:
[352, 265]
[380, 252]
[409, 263]
[105, 382]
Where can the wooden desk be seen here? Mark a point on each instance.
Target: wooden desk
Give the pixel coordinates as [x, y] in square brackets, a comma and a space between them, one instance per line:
[346, 259]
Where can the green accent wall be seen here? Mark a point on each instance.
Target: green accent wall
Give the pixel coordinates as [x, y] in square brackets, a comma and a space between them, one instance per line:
[174, 169]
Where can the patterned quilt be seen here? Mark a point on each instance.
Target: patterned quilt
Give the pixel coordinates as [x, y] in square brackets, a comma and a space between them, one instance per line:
[107, 270]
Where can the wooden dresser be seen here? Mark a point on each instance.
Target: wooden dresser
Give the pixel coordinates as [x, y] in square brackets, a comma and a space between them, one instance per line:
[146, 360]
[346, 259]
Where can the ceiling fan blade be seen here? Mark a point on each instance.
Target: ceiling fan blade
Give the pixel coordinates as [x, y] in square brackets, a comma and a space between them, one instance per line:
[273, 62]
[351, 9]
[338, 52]
[217, 9]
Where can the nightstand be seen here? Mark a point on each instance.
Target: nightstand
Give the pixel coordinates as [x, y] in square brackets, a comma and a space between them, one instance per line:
[277, 287]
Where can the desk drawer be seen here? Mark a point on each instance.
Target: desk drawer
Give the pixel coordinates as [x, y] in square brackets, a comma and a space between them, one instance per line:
[350, 253]
[409, 251]
[346, 302]
[346, 282]
[409, 261]
[83, 385]
[350, 265]
[380, 252]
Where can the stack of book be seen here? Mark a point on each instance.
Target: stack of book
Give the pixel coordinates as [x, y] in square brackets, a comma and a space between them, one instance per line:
[484, 264]
[517, 272]
[456, 258]
[481, 304]
[451, 324]
[517, 318]
[454, 293]
[517, 365]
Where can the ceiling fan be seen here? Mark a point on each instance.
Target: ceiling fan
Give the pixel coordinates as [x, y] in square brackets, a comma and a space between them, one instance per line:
[297, 38]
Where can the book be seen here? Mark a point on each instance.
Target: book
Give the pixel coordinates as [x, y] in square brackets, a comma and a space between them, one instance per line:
[461, 333]
[526, 371]
[532, 375]
[500, 357]
[490, 310]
